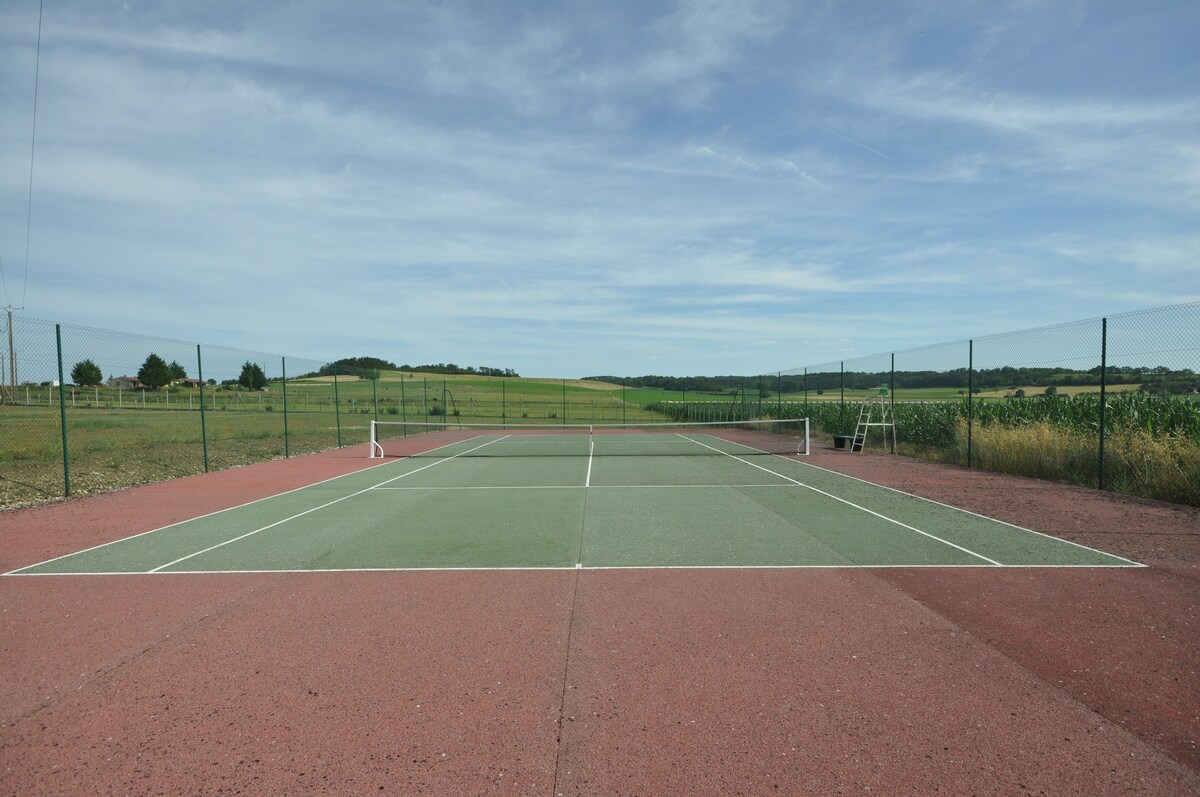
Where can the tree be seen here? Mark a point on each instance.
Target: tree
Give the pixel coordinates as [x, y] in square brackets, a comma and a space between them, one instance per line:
[177, 370]
[86, 373]
[252, 377]
[1052, 390]
[155, 372]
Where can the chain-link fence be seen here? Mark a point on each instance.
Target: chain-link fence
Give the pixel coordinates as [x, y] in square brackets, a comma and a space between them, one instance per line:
[1107, 402]
[87, 410]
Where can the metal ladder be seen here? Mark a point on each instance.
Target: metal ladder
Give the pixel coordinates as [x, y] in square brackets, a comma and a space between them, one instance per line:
[875, 406]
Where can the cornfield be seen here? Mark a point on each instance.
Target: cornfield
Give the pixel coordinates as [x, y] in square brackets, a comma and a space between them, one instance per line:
[1152, 446]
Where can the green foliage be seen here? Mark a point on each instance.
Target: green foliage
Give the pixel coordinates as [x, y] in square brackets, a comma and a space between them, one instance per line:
[369, 367]
[86, 373]
[1180, 386]
[981, 379]
[354, 365]
[252, 377]
[451, 368]
[155, 372]
[177, 370]
[934, 423]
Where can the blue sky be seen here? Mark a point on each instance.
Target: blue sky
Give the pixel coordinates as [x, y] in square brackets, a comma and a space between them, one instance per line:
[576, 188]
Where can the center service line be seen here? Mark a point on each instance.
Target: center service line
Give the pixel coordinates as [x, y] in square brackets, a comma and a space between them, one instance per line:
[587, 482]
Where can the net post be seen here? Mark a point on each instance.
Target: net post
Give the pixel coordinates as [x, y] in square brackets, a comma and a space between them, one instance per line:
[807, 438]
[375, 446]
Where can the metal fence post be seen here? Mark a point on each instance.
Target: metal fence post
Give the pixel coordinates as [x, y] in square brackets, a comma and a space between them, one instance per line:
[337, 409]
[842, 399]
[970, 398]
[892, 399]
[1103, 392]
[203, 427]
[62, 414]
[283, 367]
[375, 392]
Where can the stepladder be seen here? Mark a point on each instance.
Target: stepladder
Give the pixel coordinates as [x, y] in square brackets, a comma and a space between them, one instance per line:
[875, 413]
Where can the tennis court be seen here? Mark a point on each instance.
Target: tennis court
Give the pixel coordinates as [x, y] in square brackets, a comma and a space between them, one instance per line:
[598, 611]
[565, 498]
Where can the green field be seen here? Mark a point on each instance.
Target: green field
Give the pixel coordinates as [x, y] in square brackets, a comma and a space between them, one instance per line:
[119, 438]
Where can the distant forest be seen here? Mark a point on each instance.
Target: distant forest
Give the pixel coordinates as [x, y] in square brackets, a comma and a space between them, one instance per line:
[1155, 380]
[366, 367]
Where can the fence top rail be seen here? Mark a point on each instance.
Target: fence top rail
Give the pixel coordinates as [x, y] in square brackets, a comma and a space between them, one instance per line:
[835, 365]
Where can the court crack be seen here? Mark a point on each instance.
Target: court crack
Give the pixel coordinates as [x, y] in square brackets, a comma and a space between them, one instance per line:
[78, 684]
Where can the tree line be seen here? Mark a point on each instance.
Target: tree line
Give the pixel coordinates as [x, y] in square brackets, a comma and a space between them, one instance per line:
[1155, 379]
[156, 373]
[369, 367]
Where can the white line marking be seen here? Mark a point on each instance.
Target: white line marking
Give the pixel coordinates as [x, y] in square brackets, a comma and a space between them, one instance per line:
[592, 487]
[569, 568]
[19, 570]
[485, 487]
[851, 503]
[322, 506]
[200, 517]
[226, 509]
[973, 514]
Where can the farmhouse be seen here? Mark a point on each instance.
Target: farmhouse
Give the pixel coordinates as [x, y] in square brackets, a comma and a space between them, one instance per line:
[125, 382]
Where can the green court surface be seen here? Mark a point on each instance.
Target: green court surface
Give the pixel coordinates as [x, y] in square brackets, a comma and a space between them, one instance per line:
[575, 506]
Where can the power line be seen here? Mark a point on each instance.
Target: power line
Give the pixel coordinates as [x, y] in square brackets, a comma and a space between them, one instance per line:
[29, 197]
[37, 65]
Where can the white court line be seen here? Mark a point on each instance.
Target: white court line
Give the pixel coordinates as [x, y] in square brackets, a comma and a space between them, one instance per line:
[563, 568]
[851, 503]
[309, 511]
[484, 487]
[197, 517]
[218, 512]
[466, 488]
[1132, 562]
[322, 506]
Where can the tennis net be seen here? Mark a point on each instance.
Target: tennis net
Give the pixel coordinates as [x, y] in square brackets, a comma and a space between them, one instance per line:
[737, 438]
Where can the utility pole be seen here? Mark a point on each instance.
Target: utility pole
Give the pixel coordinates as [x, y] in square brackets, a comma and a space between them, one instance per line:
[12, 356]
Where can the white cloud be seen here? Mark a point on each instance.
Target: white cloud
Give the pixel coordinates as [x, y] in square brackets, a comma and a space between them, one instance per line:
[591, 188]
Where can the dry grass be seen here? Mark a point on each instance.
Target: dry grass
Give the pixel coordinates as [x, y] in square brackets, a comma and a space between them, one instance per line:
[1136, 463]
